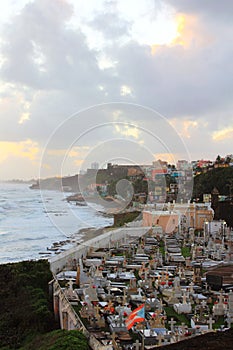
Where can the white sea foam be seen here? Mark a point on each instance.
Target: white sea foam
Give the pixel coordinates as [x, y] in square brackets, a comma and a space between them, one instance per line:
[31, 221]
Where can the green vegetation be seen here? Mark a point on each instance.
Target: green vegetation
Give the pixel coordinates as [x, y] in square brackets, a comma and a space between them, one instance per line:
[161, 248]
[221, 178]
[122, 218]
[24, 301]
[218, 323]
[58, 340]
[170, 312]
[26, 309]
[185, 251]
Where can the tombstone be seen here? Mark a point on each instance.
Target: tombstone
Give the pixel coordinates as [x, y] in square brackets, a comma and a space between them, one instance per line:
[183, 328]
[210, 322]
[70, 294]
[160, 339]
[121, 320]
[191, 287]
[137, 345]
[201, 309]
[98, 273]
[172, 299]
[84, 312]
[90, 291]
[220, 308]
[184, 307]
[156, 321]
[197, 273]
[176, 283]
[172, 324]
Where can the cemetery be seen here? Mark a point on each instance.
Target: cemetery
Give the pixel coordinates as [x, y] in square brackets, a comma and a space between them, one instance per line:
[178, 296]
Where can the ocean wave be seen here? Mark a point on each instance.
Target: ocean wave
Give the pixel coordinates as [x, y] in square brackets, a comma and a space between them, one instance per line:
[29, 225]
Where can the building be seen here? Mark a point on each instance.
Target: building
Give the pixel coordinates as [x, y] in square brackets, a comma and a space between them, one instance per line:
[168, 220]
[182, 216]
[95, 165]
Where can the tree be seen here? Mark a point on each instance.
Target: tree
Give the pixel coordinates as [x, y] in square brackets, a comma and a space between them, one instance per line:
[218, 160]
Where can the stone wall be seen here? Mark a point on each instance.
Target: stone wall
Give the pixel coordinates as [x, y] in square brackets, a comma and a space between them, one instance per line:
[107, 239]
[69, 319]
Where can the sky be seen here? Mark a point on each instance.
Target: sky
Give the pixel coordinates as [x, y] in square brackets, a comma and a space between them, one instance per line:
[121, 81]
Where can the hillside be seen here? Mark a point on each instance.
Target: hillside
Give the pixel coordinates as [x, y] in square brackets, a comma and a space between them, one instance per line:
[221, 178]
[27, 312]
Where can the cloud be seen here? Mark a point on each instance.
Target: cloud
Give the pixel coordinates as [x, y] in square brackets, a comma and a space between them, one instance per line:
[24, 149]
[222, 135]
[110, 23]
[50, 70]
[128, 131]
[184, 127]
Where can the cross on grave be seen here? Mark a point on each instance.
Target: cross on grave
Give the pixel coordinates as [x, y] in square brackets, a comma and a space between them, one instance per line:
[124, 301]
[160, 338]
[137, 345]
[210, 322]
[114, 343]
[172, 324]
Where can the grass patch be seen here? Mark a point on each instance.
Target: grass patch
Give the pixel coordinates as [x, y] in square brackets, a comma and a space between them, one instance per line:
[185, 251]
[179, 318]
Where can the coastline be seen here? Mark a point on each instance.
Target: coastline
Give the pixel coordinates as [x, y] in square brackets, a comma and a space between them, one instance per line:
[79, 238]
[89, 233]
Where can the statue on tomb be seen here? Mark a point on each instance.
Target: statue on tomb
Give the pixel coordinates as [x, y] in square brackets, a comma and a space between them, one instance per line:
[70, 292]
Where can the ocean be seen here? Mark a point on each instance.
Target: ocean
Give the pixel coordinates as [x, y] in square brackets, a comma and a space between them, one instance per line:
[31, 221]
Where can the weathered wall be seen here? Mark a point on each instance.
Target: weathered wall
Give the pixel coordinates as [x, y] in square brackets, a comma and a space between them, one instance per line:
[68, 318]
[59, 262]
